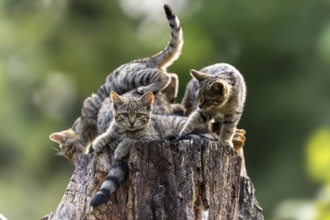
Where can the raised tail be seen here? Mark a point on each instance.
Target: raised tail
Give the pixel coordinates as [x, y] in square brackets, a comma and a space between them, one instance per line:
[173, 49]
[116, 175]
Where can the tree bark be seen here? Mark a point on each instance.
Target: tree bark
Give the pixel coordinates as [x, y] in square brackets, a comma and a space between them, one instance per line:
[189, 179]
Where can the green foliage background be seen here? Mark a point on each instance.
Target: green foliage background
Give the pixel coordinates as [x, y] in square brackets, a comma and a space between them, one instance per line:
[55, 53]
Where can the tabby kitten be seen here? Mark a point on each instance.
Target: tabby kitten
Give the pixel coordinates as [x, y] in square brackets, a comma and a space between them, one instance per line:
[72, 142]
[147, 74]
[133, 121]
[161, 106]
[221, 93]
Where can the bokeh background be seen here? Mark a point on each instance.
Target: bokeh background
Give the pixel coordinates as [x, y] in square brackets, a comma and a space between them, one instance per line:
[55, 53]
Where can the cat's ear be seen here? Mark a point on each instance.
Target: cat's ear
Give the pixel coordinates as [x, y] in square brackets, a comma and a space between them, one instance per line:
[117, 99]
[114, 96]
[147, 98]
[58, 137]
[218, 86]
[62, 136]
[199, 76]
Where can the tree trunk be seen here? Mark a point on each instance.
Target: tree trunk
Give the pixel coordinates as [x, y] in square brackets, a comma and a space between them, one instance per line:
[189, 179]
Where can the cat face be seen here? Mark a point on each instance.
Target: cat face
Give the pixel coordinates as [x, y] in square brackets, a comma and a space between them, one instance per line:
[212, 92]
[132, 114]
[70, 146]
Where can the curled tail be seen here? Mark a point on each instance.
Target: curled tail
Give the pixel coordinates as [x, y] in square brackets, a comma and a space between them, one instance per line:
[116, 175]
[173, 49]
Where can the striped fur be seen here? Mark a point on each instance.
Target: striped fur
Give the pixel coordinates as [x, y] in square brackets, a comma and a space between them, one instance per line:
[70, 145]
[221, 94]
[161, 106]
[112, 181]
[73, 141]
[173, 50]
[148, 74]
[132, 121]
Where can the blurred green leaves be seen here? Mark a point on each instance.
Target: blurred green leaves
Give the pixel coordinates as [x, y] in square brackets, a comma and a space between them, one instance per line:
[318, 167]
[318, 156]
[324, 44]
[323, 203]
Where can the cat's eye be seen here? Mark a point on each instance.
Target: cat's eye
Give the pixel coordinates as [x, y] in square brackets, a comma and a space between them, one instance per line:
[138, 115]
[125, 115]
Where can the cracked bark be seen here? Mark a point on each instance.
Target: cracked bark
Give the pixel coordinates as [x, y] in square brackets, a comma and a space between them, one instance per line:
[190, 179]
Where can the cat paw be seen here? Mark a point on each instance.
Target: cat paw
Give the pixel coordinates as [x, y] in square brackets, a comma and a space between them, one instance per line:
[97, 146]
[141, 90]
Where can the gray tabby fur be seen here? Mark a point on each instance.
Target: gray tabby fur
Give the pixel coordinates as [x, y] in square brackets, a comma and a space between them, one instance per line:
[217, 91]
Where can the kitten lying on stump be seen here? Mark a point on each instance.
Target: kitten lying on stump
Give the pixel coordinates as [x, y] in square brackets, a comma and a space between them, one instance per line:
[132, 121]
[136, 102]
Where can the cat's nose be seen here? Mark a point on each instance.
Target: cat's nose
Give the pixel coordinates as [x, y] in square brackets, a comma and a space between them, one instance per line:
[131, 123]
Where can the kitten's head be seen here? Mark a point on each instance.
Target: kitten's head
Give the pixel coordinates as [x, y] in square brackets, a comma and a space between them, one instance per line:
[70, 146]
[132, 114]
[212, 91]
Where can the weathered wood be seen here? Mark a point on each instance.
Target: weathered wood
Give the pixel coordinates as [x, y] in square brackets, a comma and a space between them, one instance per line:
[249, 208]
[190, 179]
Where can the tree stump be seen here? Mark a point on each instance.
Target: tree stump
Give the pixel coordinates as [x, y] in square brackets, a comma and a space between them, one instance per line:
[189, 179]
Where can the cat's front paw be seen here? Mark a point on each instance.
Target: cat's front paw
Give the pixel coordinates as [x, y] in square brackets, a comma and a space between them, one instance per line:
[141, 90]
[97, 145]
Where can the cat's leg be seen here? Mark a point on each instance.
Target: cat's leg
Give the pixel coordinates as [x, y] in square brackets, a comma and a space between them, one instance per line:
[171, 90]
[189, 100]
[228, 128]
[178, 109]
[156, 81]
[122, 150]
[101, 141]
[196, 118]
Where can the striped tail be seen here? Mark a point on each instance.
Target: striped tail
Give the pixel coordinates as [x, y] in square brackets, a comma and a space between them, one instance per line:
[173, 49]
[116, 176]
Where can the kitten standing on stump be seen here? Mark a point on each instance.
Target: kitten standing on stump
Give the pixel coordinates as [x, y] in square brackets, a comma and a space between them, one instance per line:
[221, 93]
